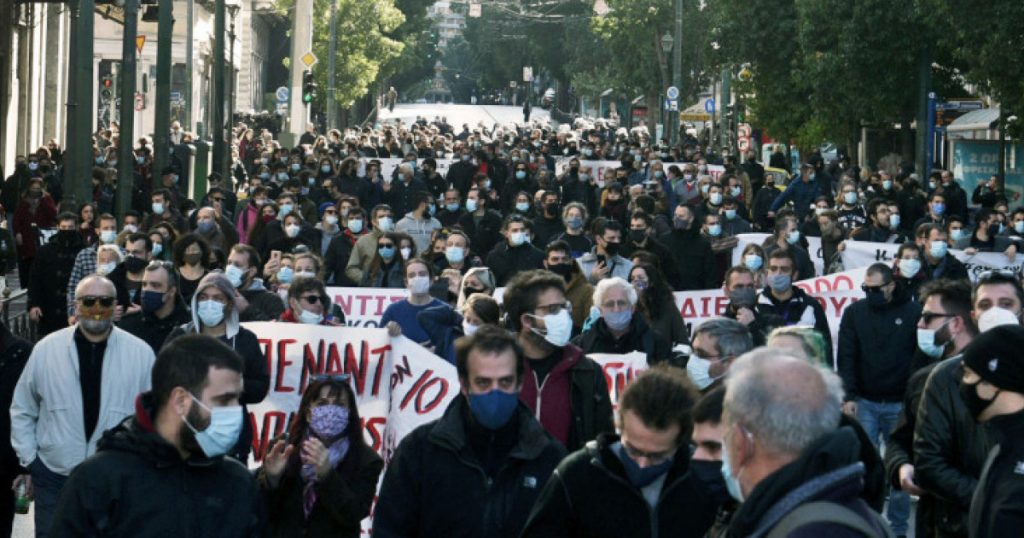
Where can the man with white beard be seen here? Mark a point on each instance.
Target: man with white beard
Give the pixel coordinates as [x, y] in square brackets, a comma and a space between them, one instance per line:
[79, 382]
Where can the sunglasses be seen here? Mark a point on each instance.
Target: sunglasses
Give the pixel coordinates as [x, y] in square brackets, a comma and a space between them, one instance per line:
[927, 317]
[1000, 275]
[90, 301]
[869, 289]
[312, 299]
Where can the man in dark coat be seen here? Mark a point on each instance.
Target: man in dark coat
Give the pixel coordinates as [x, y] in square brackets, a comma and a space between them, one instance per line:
[162, 310]
[51, 269]
[478, 470]
[515, 254]
[14, 353]
[694, 261]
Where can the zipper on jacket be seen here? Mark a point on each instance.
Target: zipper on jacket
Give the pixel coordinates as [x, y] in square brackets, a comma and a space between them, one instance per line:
[540, 392]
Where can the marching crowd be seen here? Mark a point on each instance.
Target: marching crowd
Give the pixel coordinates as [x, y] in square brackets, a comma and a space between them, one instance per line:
[522, 250]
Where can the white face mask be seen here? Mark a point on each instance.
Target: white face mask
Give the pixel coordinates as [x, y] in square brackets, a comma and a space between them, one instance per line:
[557, 328]
[419, 285]
[699, 370]
[309, 318]
[406, 252]
[468, 328]
[105, 268]
[909, 267]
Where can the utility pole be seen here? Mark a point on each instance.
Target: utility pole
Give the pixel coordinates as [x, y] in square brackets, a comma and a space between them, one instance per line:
[302, 42]
[725, 98]
[189, 38]
[331, 51]
[228, 157]
[78, 160]
[162, 112]
[126, 155]
[924, 76]
[677, 72]
[217, 117]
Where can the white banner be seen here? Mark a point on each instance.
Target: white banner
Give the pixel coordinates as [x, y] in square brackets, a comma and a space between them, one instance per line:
[398, 384]
[363, 307]
[387, 166]
[864, 253]
[619, 371]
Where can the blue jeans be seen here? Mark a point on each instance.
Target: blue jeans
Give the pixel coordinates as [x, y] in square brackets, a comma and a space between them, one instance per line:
[878, 420]
[47, 486]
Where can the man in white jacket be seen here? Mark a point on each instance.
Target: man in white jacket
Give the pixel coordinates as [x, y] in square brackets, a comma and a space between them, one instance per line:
[79, 382]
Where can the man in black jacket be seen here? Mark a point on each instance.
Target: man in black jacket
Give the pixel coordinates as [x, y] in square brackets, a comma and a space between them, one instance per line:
[163, 471]
[478, 469]
[14, 353]
[516, 253]
[620, 330]
[791, 303]
[993, 390]
[956, 196]
[51, 269]
[242, 270]
[939, 263]
[163, 309]
[694, 261]
[877, 338]
[636, 484]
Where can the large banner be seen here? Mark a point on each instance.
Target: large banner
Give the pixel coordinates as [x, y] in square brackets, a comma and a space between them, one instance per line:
[863, 254]
[363, 307]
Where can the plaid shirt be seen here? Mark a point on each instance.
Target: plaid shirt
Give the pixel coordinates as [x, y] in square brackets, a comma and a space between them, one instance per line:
[85, 265]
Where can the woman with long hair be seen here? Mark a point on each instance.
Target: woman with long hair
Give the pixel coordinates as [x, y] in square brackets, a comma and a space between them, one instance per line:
[321, 480]
[387, 269]
[657, 304]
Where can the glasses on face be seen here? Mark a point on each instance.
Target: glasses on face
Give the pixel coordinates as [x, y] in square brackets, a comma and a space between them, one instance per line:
[89, 301]
[554, 308]
[869, 289]
[654, 458]
[312, 299]
[385, 245]
[928, 317]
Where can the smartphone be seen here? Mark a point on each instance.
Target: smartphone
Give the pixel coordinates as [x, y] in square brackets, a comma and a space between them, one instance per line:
[601, 259]
[275, 255]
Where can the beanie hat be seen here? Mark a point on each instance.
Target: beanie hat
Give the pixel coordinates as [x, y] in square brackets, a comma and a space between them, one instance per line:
[995, 355]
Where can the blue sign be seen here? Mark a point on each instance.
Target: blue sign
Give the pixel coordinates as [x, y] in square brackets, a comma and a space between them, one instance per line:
[709, 106]
[974, 161]
[175, 97]
[672, 93]
[282, 94]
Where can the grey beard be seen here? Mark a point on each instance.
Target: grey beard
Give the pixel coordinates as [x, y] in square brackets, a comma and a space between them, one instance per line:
[96, 327]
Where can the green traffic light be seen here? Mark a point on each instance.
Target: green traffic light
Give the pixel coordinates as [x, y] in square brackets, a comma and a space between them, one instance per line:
[307, 98]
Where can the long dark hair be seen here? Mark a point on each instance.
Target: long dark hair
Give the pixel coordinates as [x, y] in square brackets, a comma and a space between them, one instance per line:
[343, 391]
[652, 300]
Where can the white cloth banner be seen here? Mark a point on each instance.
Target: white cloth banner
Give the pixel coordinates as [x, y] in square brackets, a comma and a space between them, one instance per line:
[363, 307]
[398, 384]
[863, 254]
[619, 371]
[387, 166]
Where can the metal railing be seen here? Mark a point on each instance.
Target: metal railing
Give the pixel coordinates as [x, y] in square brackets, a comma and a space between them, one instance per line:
[19, 323]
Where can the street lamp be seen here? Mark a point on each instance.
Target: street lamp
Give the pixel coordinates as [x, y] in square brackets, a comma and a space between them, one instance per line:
[233, 7]
[667, 41]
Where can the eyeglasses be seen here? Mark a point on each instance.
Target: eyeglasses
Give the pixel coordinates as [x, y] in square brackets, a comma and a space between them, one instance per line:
[554, 308]
[90, 301]
[653, 457]
[337, 378]
[312, 299]
[927, 317]
[869, 289]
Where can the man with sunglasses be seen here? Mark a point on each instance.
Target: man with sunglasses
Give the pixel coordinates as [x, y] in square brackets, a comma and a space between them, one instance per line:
[638, 483]
[877, 339]
[79, 382]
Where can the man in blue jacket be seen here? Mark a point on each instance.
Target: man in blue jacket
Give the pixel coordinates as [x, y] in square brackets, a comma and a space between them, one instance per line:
[802, 192]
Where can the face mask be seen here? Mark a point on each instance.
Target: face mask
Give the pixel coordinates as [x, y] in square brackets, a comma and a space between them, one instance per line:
[588, 152]
[958, 235]
[618, 321]
[520, 174]
[709, 473]
[704, 188]
[909, 268]
[210, 312]
[715, 230]
[523, 207]
[688, 177]
[265, 176]
[938, 208]
[699, 370]
[793, 237]
[406, 252]
[385, 224]
[680, 224]
[752, 261]
[468, 328]
[105, 268]
[731, 483]
[850, 198]
[1019, 226]
[296, 167]
[926, 342]
[887, 184]
[743, 297]
[471, 204]
[975, 404]
[715, 198]
[134, 265]
[996, 316]
[876, 298]
[517, 238]
[612, 249]
[331, 220]
[355, 225]
[641, 477]
[730, 214]
[152, 301]
[222, 433]
[309, 318]
[454, 255]
[108, 236]
[386, 252]
[493, 409]
[234, 275]
[205, 226]
[329, 421]
[574, 223]
[292, 230]
[558, 328]
[284, 210]
[452, 207]
[938, 249]
[584, 177]
[779, 283]
[894, 221]
[325, 169]
[735, 192]
[282, 176]
[419, 285]
[285, 275]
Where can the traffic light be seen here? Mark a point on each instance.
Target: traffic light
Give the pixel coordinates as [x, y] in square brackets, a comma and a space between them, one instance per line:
[308, 87]
[106, 87]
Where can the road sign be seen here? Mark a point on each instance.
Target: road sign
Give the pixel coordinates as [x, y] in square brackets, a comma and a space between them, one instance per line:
[511, 84]
[309, 59]
[282, 94]
[140, 40]
[176, 97]
[527, 74]
[672, 104]
[960, 105]
[672, 93]
[709, 106]
[140, 101]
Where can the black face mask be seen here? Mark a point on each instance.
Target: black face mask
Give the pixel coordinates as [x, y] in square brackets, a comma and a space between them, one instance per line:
[563, 270]
[974, 403]
[611, 248]
[134, 265]
[470, 291]
[710, 474]
[637, 236]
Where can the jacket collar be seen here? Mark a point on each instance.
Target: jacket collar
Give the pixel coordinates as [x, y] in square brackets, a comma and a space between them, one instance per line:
[603, 457]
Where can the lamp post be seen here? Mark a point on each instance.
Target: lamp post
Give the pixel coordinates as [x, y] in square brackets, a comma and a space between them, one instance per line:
[233, 7]
[126, 154]
[667, 43]
[217, 111]
[677, 67]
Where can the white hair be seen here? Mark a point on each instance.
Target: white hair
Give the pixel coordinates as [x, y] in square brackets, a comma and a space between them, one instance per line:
[110, 248]
[605, 285]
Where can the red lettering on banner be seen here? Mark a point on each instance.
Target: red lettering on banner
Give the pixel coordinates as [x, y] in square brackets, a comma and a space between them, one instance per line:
[334, 364]
[721, 303]
[380, 352]
[401, 371]
[344, 302]
[416, 387]
[688, 310]
[357, 367]
[311, 364]
[842, 279]
[274, 423]
[268, 345]
[422, 408]
[839, 303]
[375, 427]
[282, 364]
[380, 305]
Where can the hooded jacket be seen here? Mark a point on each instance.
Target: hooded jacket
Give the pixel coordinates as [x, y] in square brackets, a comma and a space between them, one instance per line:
[138, 485]
[589, 495]
[827, 470]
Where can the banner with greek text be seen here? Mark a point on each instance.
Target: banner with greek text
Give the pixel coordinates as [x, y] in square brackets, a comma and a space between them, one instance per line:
[363, 307]
[863, 254]
[619, 371]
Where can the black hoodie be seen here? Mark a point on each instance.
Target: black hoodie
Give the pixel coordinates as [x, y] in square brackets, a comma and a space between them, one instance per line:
[138, 485]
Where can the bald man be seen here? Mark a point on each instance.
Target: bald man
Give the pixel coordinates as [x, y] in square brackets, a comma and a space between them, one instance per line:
[79, 382]
[785, 455]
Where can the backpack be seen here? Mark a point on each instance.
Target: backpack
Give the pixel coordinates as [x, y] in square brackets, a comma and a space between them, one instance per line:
[828, 512]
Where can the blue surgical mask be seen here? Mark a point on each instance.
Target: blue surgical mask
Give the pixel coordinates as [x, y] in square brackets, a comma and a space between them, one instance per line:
[471, 204]
[894, 221]
[939, 208]
[520, 174]
[355, 225]
[523, 207]
[715, 230]
[909, 267]
[210, 312]
[926, 342]
[618, 321]
[387, 253]
[574, 223]
[386, 224]
[753, 261]
[850, 198]
[234, 274]
[158, 249]
[158, 208]
[730, 214]
[731, 483]
[493, 409]
[108, 236]
[938, 249]
[780, 283]
[452, 208]
[325, 168]
[793, 237]
[455, 255]
[284, 210]
[285, 275]
[222, 433]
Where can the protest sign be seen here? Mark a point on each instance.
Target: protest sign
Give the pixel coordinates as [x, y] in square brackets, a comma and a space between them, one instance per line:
[363, 307]
[864, 253]
[619, 371]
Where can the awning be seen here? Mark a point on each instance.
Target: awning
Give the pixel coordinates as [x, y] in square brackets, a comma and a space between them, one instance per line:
[695, 113]
[985, 119]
